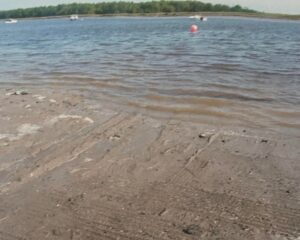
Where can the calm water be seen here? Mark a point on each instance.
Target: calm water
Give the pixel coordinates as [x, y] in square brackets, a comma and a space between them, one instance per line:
[233, 71]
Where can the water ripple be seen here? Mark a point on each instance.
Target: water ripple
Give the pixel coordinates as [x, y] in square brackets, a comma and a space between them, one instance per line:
[236, 69]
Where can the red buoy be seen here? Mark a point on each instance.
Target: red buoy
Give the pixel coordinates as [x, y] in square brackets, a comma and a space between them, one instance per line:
[193, 28]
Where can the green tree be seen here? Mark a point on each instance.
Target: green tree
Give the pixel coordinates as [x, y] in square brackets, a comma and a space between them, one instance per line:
[120, 7]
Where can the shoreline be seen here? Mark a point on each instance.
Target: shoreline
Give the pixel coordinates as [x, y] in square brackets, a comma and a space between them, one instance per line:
[182, 14]
[74, 168]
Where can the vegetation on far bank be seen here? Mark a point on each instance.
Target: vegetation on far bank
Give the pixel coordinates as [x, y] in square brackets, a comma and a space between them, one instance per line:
[122, 8]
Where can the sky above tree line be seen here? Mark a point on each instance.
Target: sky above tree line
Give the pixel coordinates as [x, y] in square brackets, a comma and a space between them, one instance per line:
[275, 6]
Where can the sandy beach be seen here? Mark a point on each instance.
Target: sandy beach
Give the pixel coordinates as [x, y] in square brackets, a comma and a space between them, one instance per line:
[72, 168]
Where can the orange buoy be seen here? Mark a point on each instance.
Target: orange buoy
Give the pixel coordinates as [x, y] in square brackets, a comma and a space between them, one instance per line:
[193, 28]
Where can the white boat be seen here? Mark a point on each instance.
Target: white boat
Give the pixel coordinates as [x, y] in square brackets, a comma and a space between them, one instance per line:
[9, 21]
[198, 17]
[74, 17]
[195, 16]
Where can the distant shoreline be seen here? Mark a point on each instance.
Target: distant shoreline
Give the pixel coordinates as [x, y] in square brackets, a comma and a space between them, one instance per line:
[182, 14]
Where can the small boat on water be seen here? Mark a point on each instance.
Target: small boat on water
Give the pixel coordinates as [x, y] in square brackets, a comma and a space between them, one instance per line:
[74, 17]
[9, 21]
[198, 17]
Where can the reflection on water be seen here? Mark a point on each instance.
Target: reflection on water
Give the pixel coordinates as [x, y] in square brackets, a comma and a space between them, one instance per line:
[234, 70]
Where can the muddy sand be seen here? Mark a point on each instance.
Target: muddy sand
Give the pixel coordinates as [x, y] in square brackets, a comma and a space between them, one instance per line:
[71, 168]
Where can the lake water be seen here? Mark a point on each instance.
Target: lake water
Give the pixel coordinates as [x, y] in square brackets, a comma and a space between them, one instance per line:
[233, 71]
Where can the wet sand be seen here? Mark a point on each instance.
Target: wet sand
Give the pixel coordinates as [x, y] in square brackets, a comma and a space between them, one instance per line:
[73, 168]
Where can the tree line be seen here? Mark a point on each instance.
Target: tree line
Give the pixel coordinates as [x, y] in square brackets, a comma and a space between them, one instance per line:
[121, 8]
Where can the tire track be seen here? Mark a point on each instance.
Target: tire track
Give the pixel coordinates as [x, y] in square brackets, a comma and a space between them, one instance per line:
[107, 226]
[181, 175]
[111, 217]
[250, 213]
[10, 236]
[84, 140]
